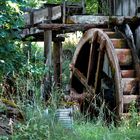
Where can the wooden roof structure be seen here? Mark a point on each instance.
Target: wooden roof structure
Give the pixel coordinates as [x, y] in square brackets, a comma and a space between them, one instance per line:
[49, 22]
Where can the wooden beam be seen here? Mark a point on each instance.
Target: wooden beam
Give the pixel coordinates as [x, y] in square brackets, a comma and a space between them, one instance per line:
[69, 27]
[57, 59]
[47, 82]
[47, 47]
[41, 15]
[82, 79]
[127, 99]
[101, 20]
[64, 11]
[83, 6]
[48, 42]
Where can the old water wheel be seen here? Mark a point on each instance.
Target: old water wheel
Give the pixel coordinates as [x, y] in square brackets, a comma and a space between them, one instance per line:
[106, 66]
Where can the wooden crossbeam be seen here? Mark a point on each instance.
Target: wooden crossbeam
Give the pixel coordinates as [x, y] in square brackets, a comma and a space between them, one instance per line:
[101, 20]
[69, 27]
[82, 79]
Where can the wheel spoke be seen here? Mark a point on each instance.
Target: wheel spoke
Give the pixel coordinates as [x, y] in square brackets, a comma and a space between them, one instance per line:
[82, 79]
[91, 58]
[99, 66]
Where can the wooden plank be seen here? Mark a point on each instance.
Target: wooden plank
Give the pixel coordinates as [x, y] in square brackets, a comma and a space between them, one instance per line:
[89, 19]
[118, 7]
[128, 73]
[133, 7]
[82, 79]
[119, 43]
[41, 15]
[129, 98]
[129, 86]
[126, 7]
[124, 57]
[100, 20]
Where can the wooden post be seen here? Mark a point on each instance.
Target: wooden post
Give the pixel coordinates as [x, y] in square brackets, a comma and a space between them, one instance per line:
[84, 8]
[48, 41]
[48, 59]
[64, 11]
[47, 47]
[57, 61]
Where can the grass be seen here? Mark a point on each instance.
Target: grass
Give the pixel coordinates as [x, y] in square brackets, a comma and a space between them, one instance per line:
[40, 126]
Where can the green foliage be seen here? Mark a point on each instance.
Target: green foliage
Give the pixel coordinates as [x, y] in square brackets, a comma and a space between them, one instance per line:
[41, 126]
[10, 53]
[34, 66]
[92, 6]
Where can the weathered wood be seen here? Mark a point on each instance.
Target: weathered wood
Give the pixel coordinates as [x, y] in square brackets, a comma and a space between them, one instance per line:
[41, 15]
[100, 63]
[48, 41]
[91, 57]
[83, 6]
[127, 73]
[138, 7]
[68, 27]
[127, 99]
[119, 43]
[74, 96]
[64, 11]
[129, 85]
[124, 57]
[125, 7]
[57, 59]
[90, 60]
[82, 79]
[101, 20]
[81, 23]
[47, 47]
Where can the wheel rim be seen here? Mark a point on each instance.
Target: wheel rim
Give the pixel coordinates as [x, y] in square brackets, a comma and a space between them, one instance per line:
[89, 59]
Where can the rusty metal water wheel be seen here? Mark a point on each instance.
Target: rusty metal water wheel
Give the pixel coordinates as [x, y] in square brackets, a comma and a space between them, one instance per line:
[105, 66]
